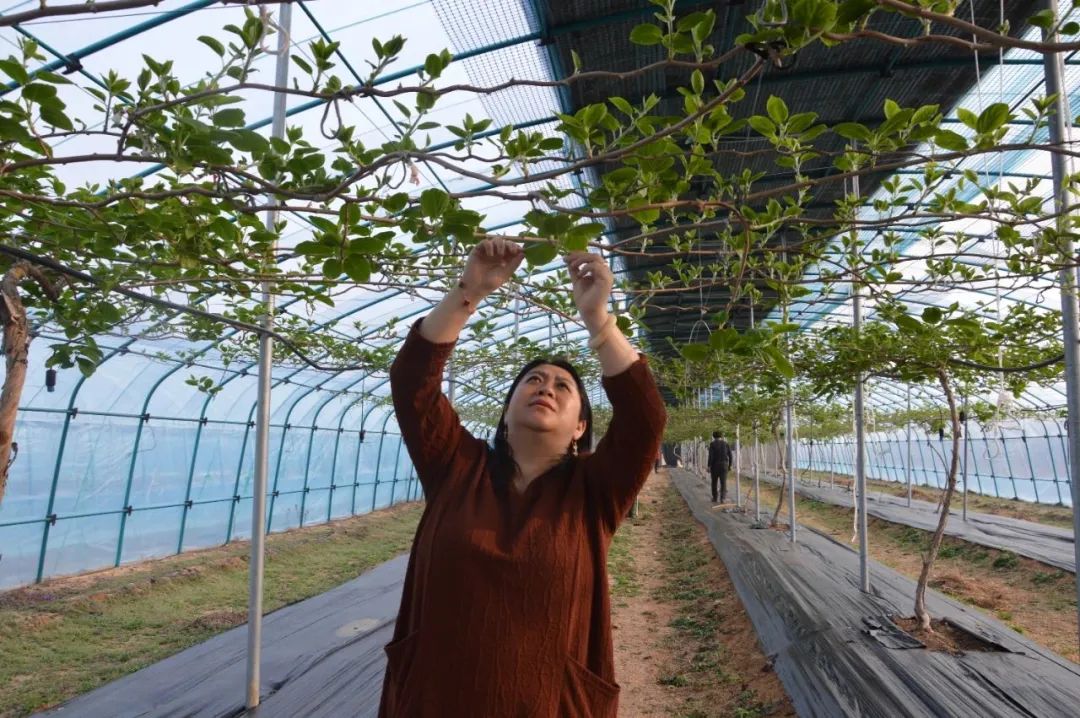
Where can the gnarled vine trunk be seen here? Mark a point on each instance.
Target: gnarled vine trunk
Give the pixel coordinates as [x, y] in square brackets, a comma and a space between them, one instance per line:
[16, 350]
[943, 518]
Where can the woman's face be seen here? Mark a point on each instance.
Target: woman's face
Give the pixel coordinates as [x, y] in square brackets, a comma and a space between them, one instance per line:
[546, 400]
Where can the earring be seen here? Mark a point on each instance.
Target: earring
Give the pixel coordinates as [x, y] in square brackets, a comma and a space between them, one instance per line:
[573, 448]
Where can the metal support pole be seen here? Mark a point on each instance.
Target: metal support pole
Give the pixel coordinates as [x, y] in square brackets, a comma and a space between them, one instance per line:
[907, 464]
[790, 421]
[757, 475]
[860, 443]
[262, 424]
[1059, 136]
[738, 468]
[965, 462]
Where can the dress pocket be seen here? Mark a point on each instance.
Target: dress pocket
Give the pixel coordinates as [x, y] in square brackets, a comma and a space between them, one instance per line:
[400, 661]
[587, 695]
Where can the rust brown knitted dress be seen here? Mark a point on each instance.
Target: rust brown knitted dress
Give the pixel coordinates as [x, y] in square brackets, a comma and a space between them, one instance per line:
[505, 610]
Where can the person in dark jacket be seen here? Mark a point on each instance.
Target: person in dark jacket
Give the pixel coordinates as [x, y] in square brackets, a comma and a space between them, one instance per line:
[720, 460]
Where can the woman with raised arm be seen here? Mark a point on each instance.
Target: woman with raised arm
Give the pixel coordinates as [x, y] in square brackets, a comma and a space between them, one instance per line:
[505, 609]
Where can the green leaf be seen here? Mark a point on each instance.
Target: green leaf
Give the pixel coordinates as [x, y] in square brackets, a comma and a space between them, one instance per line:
[366, 245]
[798, 123]
[993, 117]
[932, 315]
[349, 216]
[622, 105]
[645, 216]
[949, 140]
[577, 239]
[779, 362]
[39, 92]
[358, 268]
[56, 118]
[968, 323]
[86, 366]
[891, 108]
[10, 130]
[395, 202]
[302, 64]
[908, 323]
[763, 125]
[703, 27]
[15, 71]
[852, 10]
[249, 141]
[331, 269]
[233, 117]
[540, 253]
[425, 100]
[646, 35]
[433, 65]
[214, 44]
[1043, 19]
[697, 82]
[724, 339]
[852, 131]
[777, 109]
[433, 202]
[696, 352]
[967, 117]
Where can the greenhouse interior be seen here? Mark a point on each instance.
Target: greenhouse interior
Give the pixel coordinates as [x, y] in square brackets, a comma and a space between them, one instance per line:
[811, 264]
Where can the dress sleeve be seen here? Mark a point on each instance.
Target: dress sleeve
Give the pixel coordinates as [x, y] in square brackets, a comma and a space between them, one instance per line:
[437, 442]
[625, 456]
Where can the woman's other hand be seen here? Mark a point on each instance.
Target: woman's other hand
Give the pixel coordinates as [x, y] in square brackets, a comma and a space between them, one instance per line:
[592, 281]
[490, 264]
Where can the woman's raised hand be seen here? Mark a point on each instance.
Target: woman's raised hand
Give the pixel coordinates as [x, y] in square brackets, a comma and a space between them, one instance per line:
[592, 281]
[490, 264]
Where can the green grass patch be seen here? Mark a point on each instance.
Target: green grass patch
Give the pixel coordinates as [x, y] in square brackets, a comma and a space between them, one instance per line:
[621, 562]
[1006, 560]
[68, 636]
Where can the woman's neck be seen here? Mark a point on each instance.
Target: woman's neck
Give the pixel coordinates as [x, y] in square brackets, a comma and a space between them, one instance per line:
[534, 453]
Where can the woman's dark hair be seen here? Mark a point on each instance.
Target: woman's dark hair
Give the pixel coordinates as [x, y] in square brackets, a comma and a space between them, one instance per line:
[503, 466]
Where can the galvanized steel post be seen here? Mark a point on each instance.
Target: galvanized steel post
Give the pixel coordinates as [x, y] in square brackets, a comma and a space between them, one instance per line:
[262, 423]
[860, 441]
[1059, 136]
[907, 464]
[738, 468]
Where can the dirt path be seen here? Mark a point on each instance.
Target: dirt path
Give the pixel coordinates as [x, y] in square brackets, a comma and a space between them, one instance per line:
[684, 646]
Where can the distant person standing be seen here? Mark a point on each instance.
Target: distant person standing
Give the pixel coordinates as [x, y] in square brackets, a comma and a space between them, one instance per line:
[720, 460]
